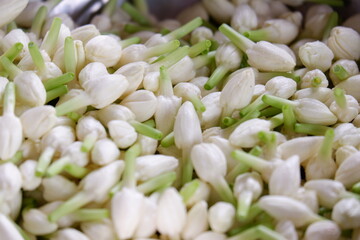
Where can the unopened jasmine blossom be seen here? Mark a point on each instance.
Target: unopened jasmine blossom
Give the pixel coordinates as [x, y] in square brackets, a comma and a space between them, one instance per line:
[341, 42]
[314, 78]
[104, 152]
[343, 69]
[8, 229]
[196, 221]
[346, 213]
[316, 55]
[244, 18]
[89, 130]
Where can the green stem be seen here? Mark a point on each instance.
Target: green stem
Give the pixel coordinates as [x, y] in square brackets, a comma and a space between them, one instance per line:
[131, 154]
[223, 189]
[39, 20]
[256, 105]
[269, 112]
[335, 3]
[340, 98]
[57, 167]
[44, 161]
[228, 121]
[74, 116]
[356, 188]
[156, 183]
[277, 120]
[168, 140]
[110, 8]
[9, 99]
[242, 42]
[161, 49]
[135, 14]
[9, 67]
[86, 215]
[243, 205]
[165, 85]
[316, 81]
[216, 77]
[53, 83]
[69, 55]
[56, 92]
[50, 41]
[89, 141]
[340, 72]
[198, 104]
[133, 28]
[289, 119]
[327, 144]
[173, 57]
[189, 189]
[257, 35]
[187, 168]
[73, 104]
[332, 22]
[76, 171]
[150, 123]
[270, 143]
[184, 29]
[129, 41]
[17, 158]
[13, 51]
[277, 101]
[37, 57]
[71, 205]
[146, 130]
[199, 48]
[311, 129]
[142, 6]
[203, 60]
[254, 162]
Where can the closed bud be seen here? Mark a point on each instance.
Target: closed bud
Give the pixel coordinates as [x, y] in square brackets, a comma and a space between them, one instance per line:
[103, 48]
[278, 31]
[309, 197]
[147, 224]
[323, 230]
[122, 133]
[200, 34]
[104, 152]
[287, 229]
[58, 138]
[30, 89]
[348, 112]
[200, 193]
[221, 217]
[196, 221]
[228, 55]
[142, 103]
[8, 229]
[37, 223]
[347, 172]
[346, 213]
[323, 94]
[115, 112]
[134, 73]
[212, 114]
[148, 144]
[346, 134]
[10, 180]
[313, 111]
[58, 188]
[316, 55]
[220, 10]
[166, 110]
[286, 208]
[75, 155]
[343, 42]
[126, 212]
[185, 64]
[294, 147]
[343, 152]
[29, 180]
[89, 125]
[13, 37]
[98, 230]
[343, 69]
[150, 166]
[69, 234]
[281, 87]
[314, 78]
[244, 18]
[350, 86]
[171, 214]
[85, 33]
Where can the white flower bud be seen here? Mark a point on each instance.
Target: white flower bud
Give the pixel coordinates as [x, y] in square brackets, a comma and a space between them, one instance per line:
[69, 234]
[102, 22]
[11, 206]
[245, 135]
[287, 229]
[8, 229]
[323, 94]
[308, 197]
[248, 182]
[99, 230]
[147, 225]
[72, 94]
[166, 110]
[37, 223]
[308, 80]
[29, 180]
[346, 213]
[58, 188]
[343, 42]
[343, 153]
[30, 89]
[286, 208]
[244, 18]
[295, 17]
[38, 121]
[89, 125]
[104, 151]
[27, 64]
[349, 66]
[280, 31]
[187, 129]
[142, 103]
[209, 235]
[200, 81]
[228, 55]
[201, 193]
[350, 86]
[347, 171]
[15, 36]
[323, 230]
[104, 49]
[134, 73]
[346, 134]
[212, 114]
[316, 55]
[238, 91]
[176, 71]
[122, 133]
[115, 112]
[171, 213]
[126, 212]
[196, 221]
[220, 10]
[150, 166]
[281, 87]
[348, 113]
[11, 180]
[200, 34]
[285, 179]
[148, 145]
[313, 111]
[281, 60]
[151, 81]
[295, 48]
[221, 217]
[58, 138]
[316, 18]
[85, 33]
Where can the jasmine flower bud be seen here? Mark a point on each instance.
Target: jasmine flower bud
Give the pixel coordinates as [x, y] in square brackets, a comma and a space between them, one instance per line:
[346, 213]
[211, 116]
[346, 134]
[196, 221]
[13, 37]
[29, 180]
[142, 103]
[104, 49]
[134, 72]
[30, 89]
[200, 34]
[346, 171]
[323, 94]
[85, 33]
[343, 69]
[287, 229]
[104, 152]
[122, 133]
[286, 208]
[69, 234]
[98, 230]
[316, 55]
[8, 229]
[345, 107]
[171, 214]
[244, 18]
[37, 121]
[88, 130]
[147, 224]
[115, 112]
[342, 42]
[150, 166]
[58, 188]
[186, 64]
[126, 212]
[37, 223]
[148, 144]
[307, 108]
[75, 155]
[309, 197]
[220, 10]
[58, 138]
[221, 217]
[189, 92]
[194, 192]
[323, 230]
[350, 86]
[343, 153]
[314, 78]
[11, 180]
[281, 87]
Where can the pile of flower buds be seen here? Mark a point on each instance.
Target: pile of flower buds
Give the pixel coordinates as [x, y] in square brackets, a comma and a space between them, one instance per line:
[237, 120]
